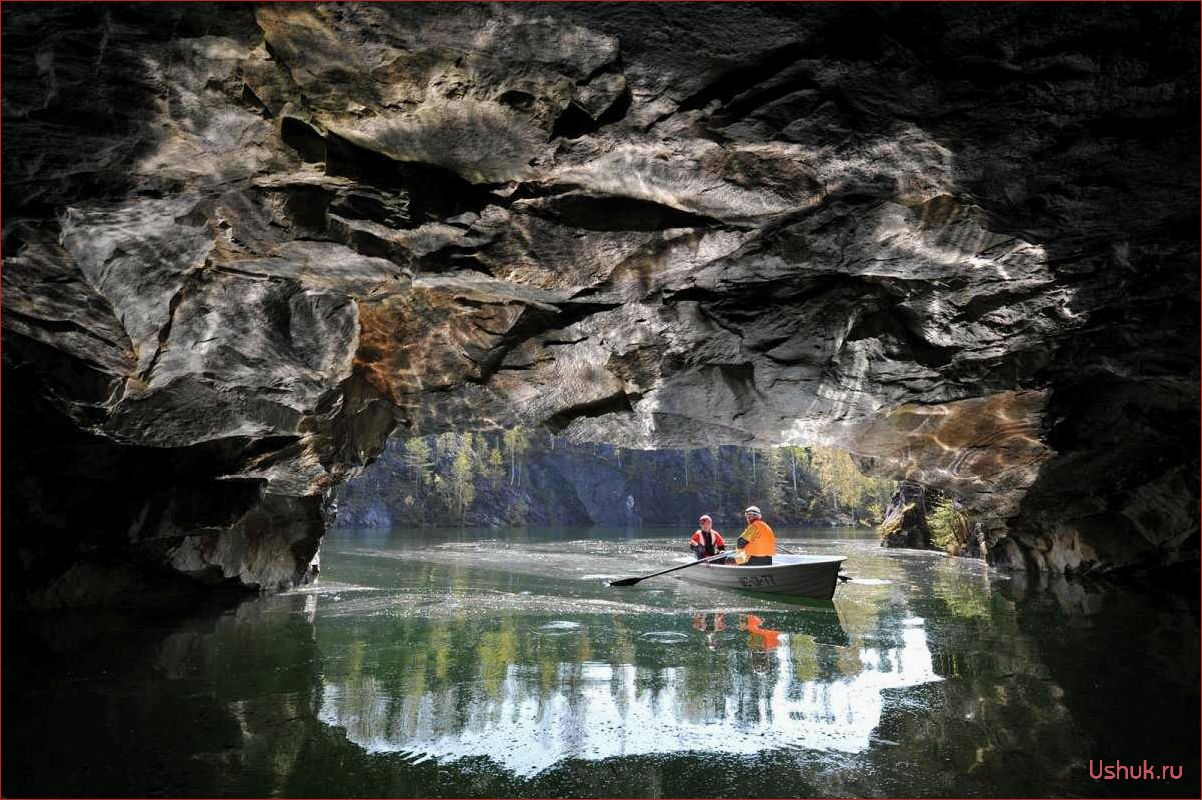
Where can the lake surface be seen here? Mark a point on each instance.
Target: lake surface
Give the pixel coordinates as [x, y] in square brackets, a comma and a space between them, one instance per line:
[500, 663]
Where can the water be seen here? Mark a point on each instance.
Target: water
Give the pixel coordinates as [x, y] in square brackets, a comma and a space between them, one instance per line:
[500, 663]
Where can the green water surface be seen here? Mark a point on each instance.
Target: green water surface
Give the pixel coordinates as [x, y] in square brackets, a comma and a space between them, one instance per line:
[500, 663]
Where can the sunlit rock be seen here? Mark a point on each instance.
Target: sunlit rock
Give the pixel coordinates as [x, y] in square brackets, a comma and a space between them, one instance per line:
[242, 246]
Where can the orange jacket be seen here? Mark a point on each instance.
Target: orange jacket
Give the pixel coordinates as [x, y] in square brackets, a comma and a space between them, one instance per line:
[757, 540]
[761, 638]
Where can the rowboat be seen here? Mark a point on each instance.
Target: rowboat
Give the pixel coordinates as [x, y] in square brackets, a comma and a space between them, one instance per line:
[804, 576]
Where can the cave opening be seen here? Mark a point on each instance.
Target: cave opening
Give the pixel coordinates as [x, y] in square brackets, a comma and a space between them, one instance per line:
[530, 477]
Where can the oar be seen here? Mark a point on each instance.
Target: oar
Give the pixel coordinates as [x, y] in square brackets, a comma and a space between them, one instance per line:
[633, 581]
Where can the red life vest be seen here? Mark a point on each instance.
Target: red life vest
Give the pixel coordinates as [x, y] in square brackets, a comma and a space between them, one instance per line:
[712, 545]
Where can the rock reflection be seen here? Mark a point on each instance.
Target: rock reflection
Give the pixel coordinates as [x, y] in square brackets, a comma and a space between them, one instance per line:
[735, 684]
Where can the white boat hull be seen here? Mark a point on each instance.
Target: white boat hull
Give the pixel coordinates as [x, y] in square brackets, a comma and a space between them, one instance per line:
[802, 576]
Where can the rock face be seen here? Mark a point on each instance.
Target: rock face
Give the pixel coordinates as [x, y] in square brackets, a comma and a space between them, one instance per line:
[556, 483]
[243, 244]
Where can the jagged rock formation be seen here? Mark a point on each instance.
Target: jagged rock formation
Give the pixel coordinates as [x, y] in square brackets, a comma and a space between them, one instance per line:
[244, 243]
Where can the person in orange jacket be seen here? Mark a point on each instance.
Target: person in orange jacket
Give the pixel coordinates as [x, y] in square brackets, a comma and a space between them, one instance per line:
[707, 541]
[757, 543]
[760, 638]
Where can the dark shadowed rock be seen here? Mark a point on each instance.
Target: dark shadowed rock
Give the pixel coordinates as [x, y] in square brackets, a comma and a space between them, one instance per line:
[905, 523]
[243, 244]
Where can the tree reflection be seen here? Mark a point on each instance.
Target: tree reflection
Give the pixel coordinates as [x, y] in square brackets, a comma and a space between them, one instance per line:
[598, 687]
[989, 687]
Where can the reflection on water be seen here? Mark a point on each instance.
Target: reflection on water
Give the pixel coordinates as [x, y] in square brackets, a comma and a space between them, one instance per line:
[601, 689]
[434, 663]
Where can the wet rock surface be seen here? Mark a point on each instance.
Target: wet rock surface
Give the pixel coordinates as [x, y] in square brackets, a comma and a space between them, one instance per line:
[243, 244]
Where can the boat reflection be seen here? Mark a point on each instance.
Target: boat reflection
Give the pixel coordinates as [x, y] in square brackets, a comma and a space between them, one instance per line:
[734, 683]
[822, 620]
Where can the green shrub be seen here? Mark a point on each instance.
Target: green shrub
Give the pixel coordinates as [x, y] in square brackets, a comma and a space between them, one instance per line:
[949, 526]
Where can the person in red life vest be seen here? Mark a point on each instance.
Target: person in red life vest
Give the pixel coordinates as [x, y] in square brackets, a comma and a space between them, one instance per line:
[704, 623]
[719, 625]
[707, 542]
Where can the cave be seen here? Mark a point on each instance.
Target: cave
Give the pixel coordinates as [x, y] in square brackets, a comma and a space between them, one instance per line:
[245, 245]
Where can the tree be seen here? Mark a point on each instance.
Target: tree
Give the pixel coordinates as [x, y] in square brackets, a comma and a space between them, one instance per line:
[496, 464]
[447, 444]
[949, 526]
[769, 483]
[515, 442]
[417, 460]
[837, 475]
[792, 451]
[848, 489]
[462, 483]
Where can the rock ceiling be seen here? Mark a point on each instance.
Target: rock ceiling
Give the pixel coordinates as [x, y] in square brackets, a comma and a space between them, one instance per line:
[245, 244]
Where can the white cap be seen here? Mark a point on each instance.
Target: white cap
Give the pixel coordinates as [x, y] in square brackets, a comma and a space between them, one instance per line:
[753, 510]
